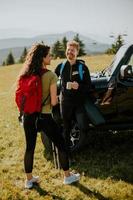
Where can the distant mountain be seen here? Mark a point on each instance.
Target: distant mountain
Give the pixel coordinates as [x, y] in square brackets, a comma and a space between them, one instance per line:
[16, 45]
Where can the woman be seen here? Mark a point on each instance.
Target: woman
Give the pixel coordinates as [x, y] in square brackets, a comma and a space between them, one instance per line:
[37, 60]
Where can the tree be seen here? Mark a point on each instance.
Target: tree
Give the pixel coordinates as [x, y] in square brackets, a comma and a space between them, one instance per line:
[4, 63]
[115, 47]
[81, 44]
[64, 44]
[22, 57]
[10, 59]
[58, 50]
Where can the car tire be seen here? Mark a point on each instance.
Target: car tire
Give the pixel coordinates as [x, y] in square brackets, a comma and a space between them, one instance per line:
[77, 138]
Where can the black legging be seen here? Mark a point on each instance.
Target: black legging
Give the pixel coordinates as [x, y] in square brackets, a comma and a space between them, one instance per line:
[50, 128]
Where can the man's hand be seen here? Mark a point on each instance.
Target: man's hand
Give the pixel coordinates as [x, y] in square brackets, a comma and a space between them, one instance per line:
[74, 85]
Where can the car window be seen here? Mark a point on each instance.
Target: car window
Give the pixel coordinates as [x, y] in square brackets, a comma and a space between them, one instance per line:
[117, 58]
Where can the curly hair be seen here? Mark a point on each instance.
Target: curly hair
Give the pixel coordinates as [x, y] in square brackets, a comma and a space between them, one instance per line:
[34, 59]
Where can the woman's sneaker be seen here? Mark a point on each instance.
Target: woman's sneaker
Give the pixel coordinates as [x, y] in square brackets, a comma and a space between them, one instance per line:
[71, 179]
[29, 183]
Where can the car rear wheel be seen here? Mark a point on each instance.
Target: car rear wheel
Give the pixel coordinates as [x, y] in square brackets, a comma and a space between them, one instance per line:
[77, 140]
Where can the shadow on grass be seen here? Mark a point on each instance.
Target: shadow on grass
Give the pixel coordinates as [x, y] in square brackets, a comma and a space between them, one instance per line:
[90, 193]
[43, 192]
[107, 155]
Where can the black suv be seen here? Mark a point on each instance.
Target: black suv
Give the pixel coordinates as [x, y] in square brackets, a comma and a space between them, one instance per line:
[113, 109]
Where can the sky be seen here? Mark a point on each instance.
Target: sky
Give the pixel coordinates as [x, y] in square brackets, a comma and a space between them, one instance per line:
[93, 18]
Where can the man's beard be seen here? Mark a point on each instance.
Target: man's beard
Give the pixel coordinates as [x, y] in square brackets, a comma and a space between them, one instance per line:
[71, 57]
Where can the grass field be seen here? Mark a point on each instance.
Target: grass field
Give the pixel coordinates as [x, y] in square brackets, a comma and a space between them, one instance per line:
[106, 165]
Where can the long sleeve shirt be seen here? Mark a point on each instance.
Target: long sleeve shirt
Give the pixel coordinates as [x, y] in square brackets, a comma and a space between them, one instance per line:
[70, 74]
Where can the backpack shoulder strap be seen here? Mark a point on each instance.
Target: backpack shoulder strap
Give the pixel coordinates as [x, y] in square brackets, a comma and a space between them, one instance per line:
[80, 68]
[44, 101]
[62, 67]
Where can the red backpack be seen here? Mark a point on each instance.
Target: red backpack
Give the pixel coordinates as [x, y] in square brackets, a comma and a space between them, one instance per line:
[28, 95]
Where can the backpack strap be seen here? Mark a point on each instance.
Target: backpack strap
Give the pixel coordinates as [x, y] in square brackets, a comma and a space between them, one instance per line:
[62, 67]
[80, 69]
[20, 117]
[44, 101]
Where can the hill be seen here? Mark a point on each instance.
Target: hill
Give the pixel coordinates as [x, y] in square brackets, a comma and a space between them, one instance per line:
[16, 45]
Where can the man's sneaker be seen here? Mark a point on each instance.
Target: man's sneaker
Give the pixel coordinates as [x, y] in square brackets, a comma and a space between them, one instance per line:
[29, 183]
[71, 179]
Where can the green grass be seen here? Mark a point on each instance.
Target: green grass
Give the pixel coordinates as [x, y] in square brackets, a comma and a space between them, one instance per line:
[106, 165]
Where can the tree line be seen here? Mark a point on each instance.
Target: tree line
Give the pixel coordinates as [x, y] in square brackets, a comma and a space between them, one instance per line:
[57, 51]
[10, 60]
[59, 47]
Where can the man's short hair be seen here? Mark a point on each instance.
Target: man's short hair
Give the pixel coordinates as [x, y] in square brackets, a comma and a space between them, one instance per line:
[73, 43]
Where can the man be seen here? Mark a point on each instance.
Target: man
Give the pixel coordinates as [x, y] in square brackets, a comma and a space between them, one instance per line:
[74, 90]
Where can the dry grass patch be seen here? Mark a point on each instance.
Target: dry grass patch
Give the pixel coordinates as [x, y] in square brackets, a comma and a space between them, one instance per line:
[105, 167]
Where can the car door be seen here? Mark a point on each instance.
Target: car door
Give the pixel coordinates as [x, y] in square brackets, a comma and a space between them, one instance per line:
[105, 101]
[108, 105]
[124, 93]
